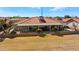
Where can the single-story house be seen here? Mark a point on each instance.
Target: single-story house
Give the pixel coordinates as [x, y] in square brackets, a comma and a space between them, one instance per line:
[72, 23]
[38, 23]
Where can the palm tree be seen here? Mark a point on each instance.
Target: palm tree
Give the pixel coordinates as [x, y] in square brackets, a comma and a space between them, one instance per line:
[58, 18]
[10, 30]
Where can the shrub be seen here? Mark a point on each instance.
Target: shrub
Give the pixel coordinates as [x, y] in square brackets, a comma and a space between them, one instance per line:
[39, 30]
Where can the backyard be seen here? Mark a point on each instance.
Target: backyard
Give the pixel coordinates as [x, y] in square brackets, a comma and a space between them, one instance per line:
[41, 43]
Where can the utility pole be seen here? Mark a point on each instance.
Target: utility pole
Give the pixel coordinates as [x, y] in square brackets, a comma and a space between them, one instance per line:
[41, 11]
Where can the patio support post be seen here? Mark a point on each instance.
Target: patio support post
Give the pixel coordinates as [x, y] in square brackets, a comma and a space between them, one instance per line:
[50, 28]
[27, 28]
[57, 27]
[38, 27]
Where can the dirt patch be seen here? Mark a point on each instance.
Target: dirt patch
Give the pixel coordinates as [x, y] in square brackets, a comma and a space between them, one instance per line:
[38, 43]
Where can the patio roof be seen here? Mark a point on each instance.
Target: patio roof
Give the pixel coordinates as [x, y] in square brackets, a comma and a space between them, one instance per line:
[43, 24]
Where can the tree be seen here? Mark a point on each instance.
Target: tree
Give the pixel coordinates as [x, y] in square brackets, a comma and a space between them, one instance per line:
[2, 22]
[67, 16]
[16, 17]
[76, 16]
[49, 17]
[27, 17]
[59, 18]
[75, 26]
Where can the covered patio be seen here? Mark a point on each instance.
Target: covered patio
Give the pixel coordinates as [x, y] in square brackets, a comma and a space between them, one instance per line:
[51, 27]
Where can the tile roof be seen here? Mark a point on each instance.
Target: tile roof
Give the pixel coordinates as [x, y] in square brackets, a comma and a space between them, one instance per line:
[36, 20]
[71, 19]
[76, 19]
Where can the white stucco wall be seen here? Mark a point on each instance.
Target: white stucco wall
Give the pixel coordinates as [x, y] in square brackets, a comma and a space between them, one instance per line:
[71, 25]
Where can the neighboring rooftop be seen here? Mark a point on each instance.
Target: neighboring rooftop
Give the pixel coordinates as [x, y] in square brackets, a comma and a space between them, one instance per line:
[71, 19]
[36, 20]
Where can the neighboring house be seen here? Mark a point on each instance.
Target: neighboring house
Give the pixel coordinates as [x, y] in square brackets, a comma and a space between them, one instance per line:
[72, 23]
[15, 20]
[42, 23]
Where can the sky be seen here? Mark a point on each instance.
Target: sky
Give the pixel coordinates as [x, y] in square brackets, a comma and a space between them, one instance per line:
[36, 11]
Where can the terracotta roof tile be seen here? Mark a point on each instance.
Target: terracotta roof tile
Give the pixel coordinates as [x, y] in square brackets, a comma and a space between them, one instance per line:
[71, 19]
[76, 19]
[36, 20]
[33, 20]
[66, 19]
